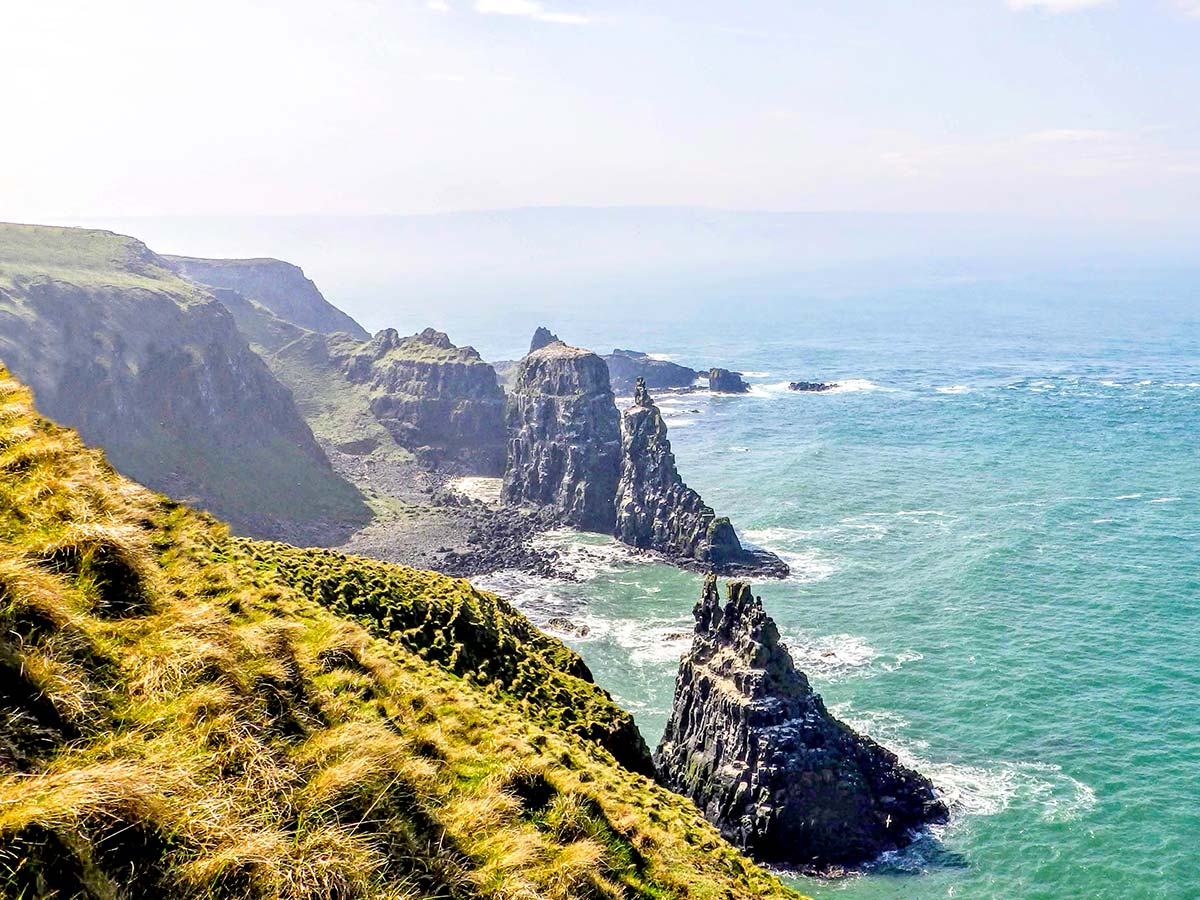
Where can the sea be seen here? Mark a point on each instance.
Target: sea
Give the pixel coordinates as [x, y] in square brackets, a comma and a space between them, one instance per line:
[993, 527]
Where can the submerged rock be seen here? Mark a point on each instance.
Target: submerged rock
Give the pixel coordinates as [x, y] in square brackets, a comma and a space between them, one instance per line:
[751, 743]
[564, 446]
[655, 509]
[814, 387]
[723, 381]
[625, 367]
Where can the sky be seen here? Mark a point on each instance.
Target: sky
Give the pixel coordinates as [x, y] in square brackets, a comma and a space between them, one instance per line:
[1047, 108]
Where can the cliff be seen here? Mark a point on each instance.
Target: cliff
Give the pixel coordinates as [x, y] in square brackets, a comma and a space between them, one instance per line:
[153, 369]
[440, 401]
[279, 286]
[187, 715]
[625, 367]
[655, 509]
[751, 743]
[564, 438]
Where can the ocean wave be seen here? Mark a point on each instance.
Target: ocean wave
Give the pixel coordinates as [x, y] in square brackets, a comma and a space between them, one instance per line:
[682, 422]
[972, 790]
[846, 386]
[1164, 500]
[740, 449]
[757, 374]
[1128, 497]
[663, 357]
[954, 389]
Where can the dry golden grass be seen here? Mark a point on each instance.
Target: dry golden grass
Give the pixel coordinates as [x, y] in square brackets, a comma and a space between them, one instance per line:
[178, 720]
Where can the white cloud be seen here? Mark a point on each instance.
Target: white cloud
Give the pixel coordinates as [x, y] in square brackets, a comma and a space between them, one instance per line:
[528, 9]
[1189, 7]
[439, 6]
[1055, 6]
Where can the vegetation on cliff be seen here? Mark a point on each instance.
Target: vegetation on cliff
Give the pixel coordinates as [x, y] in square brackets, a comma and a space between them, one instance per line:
[187, 715]
[153, 369]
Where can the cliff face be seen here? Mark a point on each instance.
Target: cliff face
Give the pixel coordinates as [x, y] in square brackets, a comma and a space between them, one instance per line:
[154, 370]
[751, 743]
[279, 286]
[625, 367]
[655, 509]
[436, 399]
[564, 437]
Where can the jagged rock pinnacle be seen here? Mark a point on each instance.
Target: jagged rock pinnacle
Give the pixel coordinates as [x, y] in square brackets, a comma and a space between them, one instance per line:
[751, 743]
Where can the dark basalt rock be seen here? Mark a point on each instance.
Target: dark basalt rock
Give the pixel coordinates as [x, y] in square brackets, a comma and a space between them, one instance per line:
[657, 511]
[751, 743]
[625, 367]
[564, 437]
[542, 337]
[723, 381]
[814, 387]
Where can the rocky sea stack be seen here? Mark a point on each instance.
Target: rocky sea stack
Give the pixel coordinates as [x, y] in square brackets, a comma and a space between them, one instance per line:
[581, 464]
[657, 511]
[564, 437]
[751, 743]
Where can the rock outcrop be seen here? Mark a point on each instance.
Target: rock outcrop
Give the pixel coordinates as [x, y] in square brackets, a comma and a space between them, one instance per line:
[153, 369]
[655, 509]
[625, 367]
[723, 381]
[751, 743]
[440, 401]
[279, 286]
[564, 446]
[582, 465]
[811, 387]
[542, 337]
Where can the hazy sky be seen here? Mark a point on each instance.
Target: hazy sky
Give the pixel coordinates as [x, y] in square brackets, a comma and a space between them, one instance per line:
[125, 107]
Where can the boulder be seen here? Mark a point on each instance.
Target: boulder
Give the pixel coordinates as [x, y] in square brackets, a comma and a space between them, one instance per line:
[723, 381]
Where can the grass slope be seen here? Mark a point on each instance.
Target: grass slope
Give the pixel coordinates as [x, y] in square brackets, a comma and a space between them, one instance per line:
[187, 715]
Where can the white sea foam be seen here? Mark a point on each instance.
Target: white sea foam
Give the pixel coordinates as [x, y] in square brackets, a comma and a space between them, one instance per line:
[1164, 500]
[954, 389]
[854, 385]
[663, 357]
[1128, 497]
[847, 386]
[757, 374]
[682, 422]
[978, 790]
[740, 449]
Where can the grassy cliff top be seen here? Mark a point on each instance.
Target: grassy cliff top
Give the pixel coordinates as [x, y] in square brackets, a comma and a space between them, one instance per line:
[85, 257]
[186, 715]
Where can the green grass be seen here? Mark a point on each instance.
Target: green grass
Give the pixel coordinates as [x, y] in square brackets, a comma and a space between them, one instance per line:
[187, 715]
[84, 257]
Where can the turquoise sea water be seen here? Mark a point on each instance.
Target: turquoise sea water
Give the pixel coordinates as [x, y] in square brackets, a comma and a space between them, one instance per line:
[994, 529]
